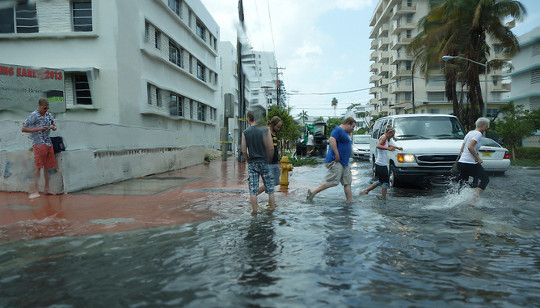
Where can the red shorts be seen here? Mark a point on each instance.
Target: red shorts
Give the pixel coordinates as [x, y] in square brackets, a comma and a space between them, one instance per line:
[44, 156]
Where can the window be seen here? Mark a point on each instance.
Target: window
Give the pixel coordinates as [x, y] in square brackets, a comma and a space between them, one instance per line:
[158, 98]
[190, 64]
[176, 7]
[408, 65]
[82, 16]
[496, 48]
[176, 105]
[201, 112]
[436, 96]
[157, 39]
[201, 71]
[81, 90]
[409, 3]
[409, 33]
[175, 54]
[191, 109]
[409, 18]
[21, 19]
[536, 49]
[535, 76]
[149, 93]
[201, 31]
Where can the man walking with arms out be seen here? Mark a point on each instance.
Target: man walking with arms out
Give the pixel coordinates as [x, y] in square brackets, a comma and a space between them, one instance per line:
[39, 124]
[257, 149]
[337, 160]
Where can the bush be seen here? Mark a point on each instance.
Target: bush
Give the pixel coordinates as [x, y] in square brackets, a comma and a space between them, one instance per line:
[528, 153]
[300, 161]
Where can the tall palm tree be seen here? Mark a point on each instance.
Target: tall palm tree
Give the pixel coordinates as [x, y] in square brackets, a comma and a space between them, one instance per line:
[460, 28]
[334, 104]
[304, 116]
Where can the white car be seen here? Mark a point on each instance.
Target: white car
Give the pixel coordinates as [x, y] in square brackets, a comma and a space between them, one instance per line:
[360, 147]
[495, 158]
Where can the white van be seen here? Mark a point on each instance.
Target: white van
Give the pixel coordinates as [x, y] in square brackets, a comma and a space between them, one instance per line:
[430, 142]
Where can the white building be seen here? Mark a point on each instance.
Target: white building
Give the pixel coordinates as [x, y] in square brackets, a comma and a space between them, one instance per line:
[142, 91]
[361, 113]
[394, 25]
[526, 74]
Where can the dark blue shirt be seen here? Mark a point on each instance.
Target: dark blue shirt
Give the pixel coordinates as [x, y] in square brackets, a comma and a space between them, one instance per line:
[344, 147]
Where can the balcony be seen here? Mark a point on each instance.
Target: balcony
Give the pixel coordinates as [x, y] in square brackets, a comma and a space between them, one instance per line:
[383, 96]
[384, 69]
[403, 10]
[403, 26]
[374, 56]
[374, 90]
[374, 101]
[404, 41]
[384, 55]
[402, 73]
[374, 44]
[374, 78]
[383, 30]
[400, 88]
[375, 67]
[383, 42]
[501, 87]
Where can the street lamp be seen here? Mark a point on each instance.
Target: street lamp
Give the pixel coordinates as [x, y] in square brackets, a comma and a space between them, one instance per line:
[447, 58]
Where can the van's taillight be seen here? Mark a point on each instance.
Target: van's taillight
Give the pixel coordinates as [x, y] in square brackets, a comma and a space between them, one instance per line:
[506, 155]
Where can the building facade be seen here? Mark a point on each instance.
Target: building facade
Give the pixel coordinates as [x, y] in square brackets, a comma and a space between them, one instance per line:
[141, 78]
[396, 85]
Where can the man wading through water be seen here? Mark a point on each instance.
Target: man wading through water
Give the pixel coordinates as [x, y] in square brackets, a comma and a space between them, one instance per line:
[257, 149]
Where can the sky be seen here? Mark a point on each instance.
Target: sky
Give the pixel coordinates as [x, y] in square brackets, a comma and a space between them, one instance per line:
[323, 46]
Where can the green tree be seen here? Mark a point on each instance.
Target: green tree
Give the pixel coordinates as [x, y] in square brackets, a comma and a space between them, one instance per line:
[303, 116]
[331, 124]
[289, 130]
[461, 28]
[334, 104]
[515, 125]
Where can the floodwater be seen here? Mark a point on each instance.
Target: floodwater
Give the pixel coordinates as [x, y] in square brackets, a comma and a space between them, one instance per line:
[420, 248]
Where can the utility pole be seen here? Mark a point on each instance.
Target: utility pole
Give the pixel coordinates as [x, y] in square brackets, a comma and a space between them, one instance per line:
[241, 99]
[278, 92]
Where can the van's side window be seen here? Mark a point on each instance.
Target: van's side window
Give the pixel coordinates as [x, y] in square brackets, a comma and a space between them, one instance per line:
[375, 133]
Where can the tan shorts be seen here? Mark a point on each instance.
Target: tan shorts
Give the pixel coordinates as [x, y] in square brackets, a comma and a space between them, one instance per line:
[338, 174]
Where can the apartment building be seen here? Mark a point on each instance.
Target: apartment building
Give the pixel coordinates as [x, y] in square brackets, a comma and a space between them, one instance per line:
[141, 86]
[526, 74]
[395, 87]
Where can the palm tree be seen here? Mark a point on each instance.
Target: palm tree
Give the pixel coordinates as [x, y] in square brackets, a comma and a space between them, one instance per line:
[460, 28]
[334, 104]
[304, 116]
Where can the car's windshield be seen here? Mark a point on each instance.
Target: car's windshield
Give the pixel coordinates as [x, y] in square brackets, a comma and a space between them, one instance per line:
[428, 128]
[361, 139]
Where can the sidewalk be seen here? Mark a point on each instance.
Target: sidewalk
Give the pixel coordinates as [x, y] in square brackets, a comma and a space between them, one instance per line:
[164, 199]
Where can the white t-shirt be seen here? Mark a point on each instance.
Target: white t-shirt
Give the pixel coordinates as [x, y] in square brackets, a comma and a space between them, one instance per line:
[466, 156]
[310, 140]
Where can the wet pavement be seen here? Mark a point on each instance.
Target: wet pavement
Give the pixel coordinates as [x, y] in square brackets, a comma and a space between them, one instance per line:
[170, 198]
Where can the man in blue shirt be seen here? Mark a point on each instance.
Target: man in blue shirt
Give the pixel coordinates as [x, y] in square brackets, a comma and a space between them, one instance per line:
[337, 160]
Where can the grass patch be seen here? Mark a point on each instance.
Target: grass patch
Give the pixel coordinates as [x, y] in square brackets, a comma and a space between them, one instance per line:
[525, 162]
[301, 161]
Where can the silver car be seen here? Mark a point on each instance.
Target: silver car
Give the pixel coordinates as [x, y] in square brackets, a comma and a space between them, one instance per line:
[495, 158]
[360, 147]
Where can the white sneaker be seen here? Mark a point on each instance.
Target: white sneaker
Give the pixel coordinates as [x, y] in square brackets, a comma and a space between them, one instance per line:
[33, 195]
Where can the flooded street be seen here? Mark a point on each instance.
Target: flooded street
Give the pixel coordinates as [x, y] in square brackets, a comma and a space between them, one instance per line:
[419, 248]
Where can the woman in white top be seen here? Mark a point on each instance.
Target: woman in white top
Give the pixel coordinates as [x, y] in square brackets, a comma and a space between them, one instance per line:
[470, 163]
[381, 163]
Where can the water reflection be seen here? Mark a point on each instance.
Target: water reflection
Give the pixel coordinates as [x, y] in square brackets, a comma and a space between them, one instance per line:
[259, 251]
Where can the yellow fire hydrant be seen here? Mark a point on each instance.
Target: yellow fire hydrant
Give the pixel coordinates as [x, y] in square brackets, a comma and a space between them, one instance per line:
[285, 168]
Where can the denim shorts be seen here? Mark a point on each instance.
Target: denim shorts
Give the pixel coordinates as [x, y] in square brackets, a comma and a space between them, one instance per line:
[255, 170]
[276, 173]
[382, 173]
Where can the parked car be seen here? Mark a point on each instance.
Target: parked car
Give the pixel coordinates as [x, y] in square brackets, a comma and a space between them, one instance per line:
[361, 147]
[495, 157]
[430, 142]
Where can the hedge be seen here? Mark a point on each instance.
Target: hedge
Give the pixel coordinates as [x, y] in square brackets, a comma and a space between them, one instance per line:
[528, 153]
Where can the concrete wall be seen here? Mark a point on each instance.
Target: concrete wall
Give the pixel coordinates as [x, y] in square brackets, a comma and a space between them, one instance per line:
[96, 154]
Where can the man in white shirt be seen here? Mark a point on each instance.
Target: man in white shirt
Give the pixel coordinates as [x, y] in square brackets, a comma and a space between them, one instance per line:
[470, 163]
